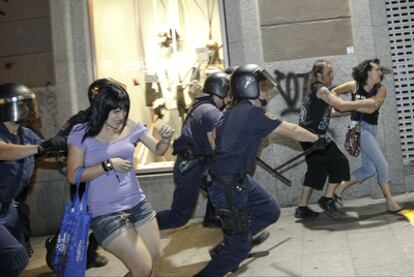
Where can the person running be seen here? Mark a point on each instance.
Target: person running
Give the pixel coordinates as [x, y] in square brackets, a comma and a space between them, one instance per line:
[329, 163]
[367, 85]
[122, 219]
[244, 207]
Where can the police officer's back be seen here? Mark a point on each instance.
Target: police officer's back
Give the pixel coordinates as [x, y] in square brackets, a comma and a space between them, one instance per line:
[194, 150]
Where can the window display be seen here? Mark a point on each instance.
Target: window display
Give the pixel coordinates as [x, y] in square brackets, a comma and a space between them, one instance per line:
[162, 50]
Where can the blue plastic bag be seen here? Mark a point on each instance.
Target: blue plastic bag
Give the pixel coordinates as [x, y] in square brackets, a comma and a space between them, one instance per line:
[70, 252]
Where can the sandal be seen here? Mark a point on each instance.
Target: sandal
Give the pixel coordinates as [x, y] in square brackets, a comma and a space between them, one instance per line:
[338, 200]
[396, 212]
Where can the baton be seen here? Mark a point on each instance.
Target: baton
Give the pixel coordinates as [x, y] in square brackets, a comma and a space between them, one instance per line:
[282, 178]
[304, 153]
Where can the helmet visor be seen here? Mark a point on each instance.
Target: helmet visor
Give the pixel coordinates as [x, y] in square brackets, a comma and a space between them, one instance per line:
[271, 82]
[19, 108]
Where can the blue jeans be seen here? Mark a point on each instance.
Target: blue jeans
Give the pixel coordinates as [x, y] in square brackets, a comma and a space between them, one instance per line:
[184, 199]
[262, 209]
[373, 161]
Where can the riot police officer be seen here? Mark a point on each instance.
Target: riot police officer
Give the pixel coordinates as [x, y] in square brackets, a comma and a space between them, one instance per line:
[18, 146]
[244, 207]
[93, 257]
[194, 148]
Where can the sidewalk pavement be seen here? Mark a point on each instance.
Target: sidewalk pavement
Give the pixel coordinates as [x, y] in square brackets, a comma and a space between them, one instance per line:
[368, 242]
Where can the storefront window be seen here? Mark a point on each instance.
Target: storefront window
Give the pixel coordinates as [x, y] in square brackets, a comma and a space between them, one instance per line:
[162, 50]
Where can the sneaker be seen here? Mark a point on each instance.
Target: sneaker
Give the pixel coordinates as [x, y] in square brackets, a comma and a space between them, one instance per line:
[328, 205]
[305, 213]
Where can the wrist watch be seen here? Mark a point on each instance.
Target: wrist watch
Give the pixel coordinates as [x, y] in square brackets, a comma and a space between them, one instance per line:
[107, 165]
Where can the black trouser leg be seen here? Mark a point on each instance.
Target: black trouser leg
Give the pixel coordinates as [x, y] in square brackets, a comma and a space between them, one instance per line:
[211, 218]
[92, 247]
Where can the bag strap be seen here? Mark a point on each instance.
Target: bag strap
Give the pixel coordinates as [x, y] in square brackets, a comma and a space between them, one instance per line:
[361, 115]
[80, 203]
[79, 173]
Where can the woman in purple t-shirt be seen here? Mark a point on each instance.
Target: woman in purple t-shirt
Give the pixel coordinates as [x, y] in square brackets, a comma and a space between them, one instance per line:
[123, 221]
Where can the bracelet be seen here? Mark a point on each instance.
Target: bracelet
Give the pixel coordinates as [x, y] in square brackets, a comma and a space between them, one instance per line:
[107, 165]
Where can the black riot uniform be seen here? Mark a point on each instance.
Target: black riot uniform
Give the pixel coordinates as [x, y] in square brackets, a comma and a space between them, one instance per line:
[15, 177]
[244, 207]
[194, 154]
[17, 105]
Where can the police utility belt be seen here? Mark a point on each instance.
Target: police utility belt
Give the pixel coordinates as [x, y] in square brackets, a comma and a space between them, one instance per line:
[189, 160]
[233, 220]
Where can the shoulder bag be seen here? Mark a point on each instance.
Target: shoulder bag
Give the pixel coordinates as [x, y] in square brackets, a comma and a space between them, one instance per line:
[70, 251]
[353, 133]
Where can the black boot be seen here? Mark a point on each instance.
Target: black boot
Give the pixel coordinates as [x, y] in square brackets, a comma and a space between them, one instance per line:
[211, 220]
[93, 258]
[260, 238]
[50, 245]
[29, 248]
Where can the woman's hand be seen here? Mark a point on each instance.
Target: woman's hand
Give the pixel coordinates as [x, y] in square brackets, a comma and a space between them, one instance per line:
[160, 146]
[121, 165]
[166, 133]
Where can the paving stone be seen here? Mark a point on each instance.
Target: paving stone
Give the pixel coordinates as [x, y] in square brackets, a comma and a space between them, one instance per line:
[366, 243]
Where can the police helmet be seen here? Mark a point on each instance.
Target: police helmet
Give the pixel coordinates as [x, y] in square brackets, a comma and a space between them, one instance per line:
[244, 81]
[97, 85]
[17, 103]
[217, 84]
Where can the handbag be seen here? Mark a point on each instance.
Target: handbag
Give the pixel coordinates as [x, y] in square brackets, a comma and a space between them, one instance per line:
[70, 250]
[352, 139]
[353, 134]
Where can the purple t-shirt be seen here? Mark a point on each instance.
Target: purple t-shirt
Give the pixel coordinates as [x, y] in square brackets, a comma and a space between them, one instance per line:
[107, 194]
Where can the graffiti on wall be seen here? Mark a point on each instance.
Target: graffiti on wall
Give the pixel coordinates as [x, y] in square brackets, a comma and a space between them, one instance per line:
[295, 88]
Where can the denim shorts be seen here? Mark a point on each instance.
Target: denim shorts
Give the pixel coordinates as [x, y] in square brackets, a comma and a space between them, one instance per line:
[109, 226]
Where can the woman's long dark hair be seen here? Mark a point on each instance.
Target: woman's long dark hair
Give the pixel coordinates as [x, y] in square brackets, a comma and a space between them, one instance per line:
[360, 72]
[110, 97]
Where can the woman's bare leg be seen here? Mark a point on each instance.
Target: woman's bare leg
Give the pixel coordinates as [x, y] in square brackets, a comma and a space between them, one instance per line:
[130, 248]
[344, 185]
[150, 235]
[392, 205]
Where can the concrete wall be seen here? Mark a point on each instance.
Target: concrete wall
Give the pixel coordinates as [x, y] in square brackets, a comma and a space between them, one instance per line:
[26, 54]
[298, 29]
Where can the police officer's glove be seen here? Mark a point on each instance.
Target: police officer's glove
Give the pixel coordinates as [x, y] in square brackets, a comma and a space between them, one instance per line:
[322, 142]
[54, 144]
